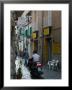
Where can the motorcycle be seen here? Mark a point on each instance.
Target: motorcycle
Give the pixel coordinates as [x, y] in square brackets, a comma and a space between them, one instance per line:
[39, 66]
[35, 69]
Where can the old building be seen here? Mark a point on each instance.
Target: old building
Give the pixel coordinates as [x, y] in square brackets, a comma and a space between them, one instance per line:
[41, 31]
[46, 28]
[24, 25]
[14, 43]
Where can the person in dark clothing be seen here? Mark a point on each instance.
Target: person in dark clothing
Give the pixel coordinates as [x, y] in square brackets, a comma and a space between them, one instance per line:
[26, 57]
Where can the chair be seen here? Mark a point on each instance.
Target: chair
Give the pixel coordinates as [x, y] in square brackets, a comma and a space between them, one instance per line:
[52, 65]
[56, 64]
[49, 65]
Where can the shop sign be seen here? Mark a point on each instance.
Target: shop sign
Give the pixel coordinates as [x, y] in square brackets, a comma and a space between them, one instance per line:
[46, 31]
[34, 35]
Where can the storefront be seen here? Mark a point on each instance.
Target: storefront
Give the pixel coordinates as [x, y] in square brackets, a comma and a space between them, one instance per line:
[35, 41]
[47, 44]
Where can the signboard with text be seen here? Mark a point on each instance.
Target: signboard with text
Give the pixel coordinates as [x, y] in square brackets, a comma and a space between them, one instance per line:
[46, 31]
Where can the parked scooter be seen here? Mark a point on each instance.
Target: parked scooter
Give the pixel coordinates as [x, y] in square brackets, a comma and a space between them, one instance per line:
[35, 69]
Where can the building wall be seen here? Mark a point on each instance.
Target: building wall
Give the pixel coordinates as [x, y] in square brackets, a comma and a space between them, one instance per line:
[37, 26]
[45, 18]
[40, 25]
[56, 34]
[22, 23]
[33, 21]
[56, 19]
[56, 25]
[30, 45]
[12, 47]
[40, 21]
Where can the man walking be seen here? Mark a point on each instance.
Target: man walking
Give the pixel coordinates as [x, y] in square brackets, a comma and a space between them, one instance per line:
[26, 57]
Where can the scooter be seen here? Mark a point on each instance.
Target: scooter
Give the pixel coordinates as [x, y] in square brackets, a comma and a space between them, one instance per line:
[35, 69]
[39, 66]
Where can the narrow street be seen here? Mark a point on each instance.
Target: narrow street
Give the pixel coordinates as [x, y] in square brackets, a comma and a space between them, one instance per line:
[36, 44]
[47, 74]
[51, 74]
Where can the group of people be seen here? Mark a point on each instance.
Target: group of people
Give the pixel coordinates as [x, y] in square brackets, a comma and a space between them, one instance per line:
[35, 56]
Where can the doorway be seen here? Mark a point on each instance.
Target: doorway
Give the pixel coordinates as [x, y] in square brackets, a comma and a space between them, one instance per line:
[47, 50]
[36, 45]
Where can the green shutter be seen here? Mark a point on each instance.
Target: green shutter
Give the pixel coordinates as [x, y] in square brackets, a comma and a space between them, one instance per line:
[30, 31]
[26, 33]
[22, 32]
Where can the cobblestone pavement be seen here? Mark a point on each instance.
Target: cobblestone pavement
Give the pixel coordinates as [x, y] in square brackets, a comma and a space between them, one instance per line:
[50, 74]
[47, 74]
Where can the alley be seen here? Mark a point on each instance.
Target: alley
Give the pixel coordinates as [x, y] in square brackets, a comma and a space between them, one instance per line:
[51, 74]
[46, 73]
[36, 36]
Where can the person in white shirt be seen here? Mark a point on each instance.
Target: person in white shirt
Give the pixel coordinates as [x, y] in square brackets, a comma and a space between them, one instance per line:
[35, 56]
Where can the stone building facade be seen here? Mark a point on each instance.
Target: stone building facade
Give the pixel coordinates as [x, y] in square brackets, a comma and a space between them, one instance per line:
[43, 33]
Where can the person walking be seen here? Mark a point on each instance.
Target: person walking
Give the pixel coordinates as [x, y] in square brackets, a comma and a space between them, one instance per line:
[26, 57]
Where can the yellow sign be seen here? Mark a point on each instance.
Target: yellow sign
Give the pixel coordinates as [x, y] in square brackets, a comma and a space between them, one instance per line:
[34, 35]
[46, 31]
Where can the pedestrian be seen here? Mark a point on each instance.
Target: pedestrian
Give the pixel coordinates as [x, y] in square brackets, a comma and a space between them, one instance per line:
[35, 56]
[26, 57]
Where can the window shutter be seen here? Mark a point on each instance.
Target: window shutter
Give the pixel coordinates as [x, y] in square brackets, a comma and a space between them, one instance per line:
[30, 31]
